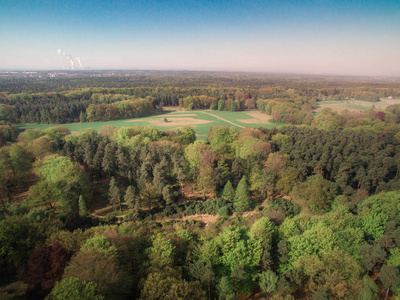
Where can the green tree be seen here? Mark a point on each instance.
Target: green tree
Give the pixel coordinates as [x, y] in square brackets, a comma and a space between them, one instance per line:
[390, 278]
[288, 180]
[371, 255]
[232, 106]
[228, 193]
[204, 273]
[186, 135]
[112, 281]
[161, 253]
[164, 286]
[369, 289]
[268, 281]
[101, 245]
[62, 183]
[114, 194]
[242, 196]
[73, 288]
[82, 207]
[221, 105]
[225, 289]
[314, 193]
[130, 197]
[82, 117]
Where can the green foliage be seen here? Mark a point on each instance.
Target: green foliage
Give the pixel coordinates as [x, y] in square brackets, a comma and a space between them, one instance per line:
[161, 253]
[221, 138]
[327, 271]
[268, 281]
[114, 194]
[289, 178]
[130, 198]
[369, 289]
[63, 182]
[74, 289]
[111, 280]
[82, 207]
[228, 193]
[394, 257]
[263, 231]
[186, 135]
[225, 289]
[242, 196]
[161, 285]
[373, 224]
[371, 255]
[318, 240]
[390, 278]
[314, 193]
[101, 245]
[238, 250]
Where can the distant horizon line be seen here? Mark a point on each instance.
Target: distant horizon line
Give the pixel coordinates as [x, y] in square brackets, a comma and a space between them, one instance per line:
[202, 71]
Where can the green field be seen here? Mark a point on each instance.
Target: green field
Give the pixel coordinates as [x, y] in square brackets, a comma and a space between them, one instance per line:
[201, 121]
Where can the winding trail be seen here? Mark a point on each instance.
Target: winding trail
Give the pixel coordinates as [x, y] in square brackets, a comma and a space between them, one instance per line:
[225, 120]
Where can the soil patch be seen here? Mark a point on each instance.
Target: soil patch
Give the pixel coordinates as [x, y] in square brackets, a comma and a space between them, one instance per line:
[258, 115]
[135, 120]
[177, 115]
[178, 122]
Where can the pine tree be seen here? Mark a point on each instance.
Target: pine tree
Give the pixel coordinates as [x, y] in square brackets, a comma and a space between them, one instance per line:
[130, 197]
[228, 193]
[82, 206]
[242, 197]
[114, 194]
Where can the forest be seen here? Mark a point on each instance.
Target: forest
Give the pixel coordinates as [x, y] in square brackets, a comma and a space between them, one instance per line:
[307, 210]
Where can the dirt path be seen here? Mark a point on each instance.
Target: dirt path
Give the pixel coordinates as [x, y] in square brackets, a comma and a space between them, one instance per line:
[225, 120]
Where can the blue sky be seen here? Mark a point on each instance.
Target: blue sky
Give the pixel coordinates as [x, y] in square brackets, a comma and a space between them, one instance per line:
[320, 36]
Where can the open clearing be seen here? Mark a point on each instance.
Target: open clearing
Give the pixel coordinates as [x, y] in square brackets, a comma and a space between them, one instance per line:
[200, 120]
[356, 105]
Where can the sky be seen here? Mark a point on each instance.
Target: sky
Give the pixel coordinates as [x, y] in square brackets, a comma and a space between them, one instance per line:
[360, 37]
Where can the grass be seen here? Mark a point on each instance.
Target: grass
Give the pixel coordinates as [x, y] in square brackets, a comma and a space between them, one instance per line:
[195, 120]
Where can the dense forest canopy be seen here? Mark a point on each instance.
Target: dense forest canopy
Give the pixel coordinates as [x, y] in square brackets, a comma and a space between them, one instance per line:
[307, 210]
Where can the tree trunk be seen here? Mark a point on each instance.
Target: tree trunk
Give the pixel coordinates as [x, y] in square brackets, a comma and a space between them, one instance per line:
[387, 293]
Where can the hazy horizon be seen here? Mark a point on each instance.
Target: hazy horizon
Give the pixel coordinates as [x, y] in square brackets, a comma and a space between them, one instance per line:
[321, 37]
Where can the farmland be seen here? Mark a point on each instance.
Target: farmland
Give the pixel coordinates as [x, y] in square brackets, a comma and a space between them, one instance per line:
[200, 121]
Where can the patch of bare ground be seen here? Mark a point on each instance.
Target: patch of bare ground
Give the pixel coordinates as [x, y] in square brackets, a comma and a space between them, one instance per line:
[21, 192]
[258, 116]
[135, 120]
[204, 218]
[177, 115]
[99, 198]
[179, 122]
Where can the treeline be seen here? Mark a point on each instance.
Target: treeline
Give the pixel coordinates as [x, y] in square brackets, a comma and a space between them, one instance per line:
[119, 110]
[70, 80]
[287, 105]
[59, 108]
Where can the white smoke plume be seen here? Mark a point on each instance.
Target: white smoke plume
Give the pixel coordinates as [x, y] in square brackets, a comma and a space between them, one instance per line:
[79, 62]
[70, 59]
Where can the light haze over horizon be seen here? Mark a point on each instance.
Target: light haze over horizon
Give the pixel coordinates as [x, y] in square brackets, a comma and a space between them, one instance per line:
[316, 37]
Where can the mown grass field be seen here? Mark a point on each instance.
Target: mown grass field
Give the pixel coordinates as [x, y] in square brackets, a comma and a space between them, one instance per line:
[201, 121]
